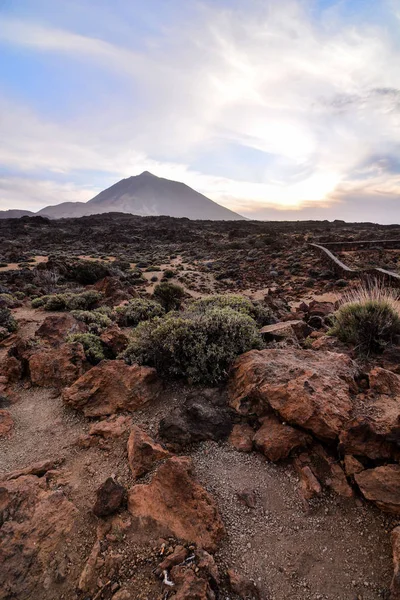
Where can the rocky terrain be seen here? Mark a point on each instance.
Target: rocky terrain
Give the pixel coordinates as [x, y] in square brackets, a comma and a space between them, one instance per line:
[277, 479]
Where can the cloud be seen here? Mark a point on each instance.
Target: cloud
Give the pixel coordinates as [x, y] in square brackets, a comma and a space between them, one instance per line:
[319, 98]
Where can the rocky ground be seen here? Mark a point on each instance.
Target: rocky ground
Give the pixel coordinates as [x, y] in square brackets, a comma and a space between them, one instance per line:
[282, 483]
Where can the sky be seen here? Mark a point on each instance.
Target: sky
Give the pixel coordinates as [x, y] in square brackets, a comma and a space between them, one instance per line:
[277, 110]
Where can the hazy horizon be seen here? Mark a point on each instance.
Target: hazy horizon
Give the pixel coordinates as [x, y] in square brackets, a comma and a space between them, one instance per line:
[286, 110]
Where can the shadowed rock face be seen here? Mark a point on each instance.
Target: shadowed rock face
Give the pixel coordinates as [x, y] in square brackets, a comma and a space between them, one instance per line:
[146, 195]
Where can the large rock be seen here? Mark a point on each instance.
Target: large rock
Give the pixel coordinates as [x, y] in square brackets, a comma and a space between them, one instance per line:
[308, 389]
[241, 437]
[143, 452]
[110, 496]
[175, 504]
[201, 418]
[34, 526]
[113, 386]
[382, 486]
[56, 328]
[114, 339]
[276, 441]
[6, 423]
[57, 367]
[327, 470]
[374, 430]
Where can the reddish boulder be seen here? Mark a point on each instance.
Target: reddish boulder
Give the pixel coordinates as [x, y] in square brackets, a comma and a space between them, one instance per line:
[306, 388]
[374, 430]
[176, 504]
[57, 367]
[143, 452]
[56, 328]
[11, 369]
[309, 484]
[36, 524]
[188, 586]
[114, 339]
[381, 486]
[6, 423]
[241, 438]
[243, 587]
[110, 496]
[276, 440]
[112, 386]
[326, 470]
[110, 428]
[352, 465]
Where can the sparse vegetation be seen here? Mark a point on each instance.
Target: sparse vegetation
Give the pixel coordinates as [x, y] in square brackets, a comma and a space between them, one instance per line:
[92, 346]
[169, 295]
[257, 311]
[7, 322]
[138, 310]
[197, 346]
[369, 318]
[96, 320]
[68, 301]
[88, 272]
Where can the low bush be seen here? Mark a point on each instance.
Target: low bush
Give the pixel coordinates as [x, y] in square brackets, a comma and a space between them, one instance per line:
[169, 295]
[92, 346]
[68, 301]
[94, 319]
[9, 300]
[369, 319]
[138, 310]
[7, 322]
[88, 272]
[260, 313]
[197, 346]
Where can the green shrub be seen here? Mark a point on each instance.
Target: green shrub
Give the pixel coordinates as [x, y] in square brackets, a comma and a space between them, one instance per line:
[169, 273]
[138, 310]
[68, 301]
[83, 301]
[96, 321]
[88, 272]
[368, 319]
[169, 295]
[260, 313]
[197, 346]
[9, 301]
[92, 346]
[7, 322]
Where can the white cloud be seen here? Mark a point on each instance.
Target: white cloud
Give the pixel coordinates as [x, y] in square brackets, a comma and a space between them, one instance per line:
[268, 77]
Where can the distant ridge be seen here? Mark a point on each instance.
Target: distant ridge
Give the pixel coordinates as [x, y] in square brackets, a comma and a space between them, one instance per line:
[143, 195]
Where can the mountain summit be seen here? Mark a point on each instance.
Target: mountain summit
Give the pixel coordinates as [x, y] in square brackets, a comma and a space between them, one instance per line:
[146, 195]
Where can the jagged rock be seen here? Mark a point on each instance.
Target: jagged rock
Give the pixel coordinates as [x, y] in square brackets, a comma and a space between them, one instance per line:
[88, 579]
[243, 587]
[381, 486]
[56, 328]
[109, 498]
[175, 503]
[38, 468]
[327, 471]
[110, 428]
[286, 329]
[248, 498]
[113, 386]
[34, 526]
[175, 558]
[241, 438]
[352, 465]
[188, 586]
[143, 452]
[114, 339]
[374, 430]
[6, 423]
[199, 419]
[306, 388]
[276, 440]
[57, 367]
[309, 484]
[11, 369]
